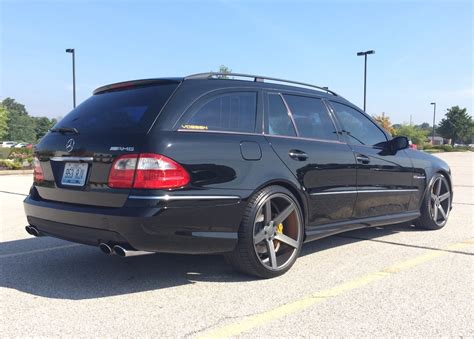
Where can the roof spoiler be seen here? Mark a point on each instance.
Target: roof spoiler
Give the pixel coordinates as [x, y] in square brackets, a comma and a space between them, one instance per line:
[135, 83]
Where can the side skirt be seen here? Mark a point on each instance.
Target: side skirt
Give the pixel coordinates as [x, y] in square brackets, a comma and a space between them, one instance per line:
[321, 231]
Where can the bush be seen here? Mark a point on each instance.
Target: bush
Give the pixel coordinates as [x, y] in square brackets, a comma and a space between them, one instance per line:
[24, 150]
[19, 156]
[445, 148]
[10, 164]
[4, 152]
[464, 148]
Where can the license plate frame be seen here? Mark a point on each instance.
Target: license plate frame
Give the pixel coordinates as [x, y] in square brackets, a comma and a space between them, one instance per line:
[74, 174]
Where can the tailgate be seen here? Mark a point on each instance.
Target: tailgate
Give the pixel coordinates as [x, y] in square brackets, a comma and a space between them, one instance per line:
[77, 155]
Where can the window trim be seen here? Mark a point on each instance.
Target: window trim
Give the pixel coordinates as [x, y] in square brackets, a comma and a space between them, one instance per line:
[290, 113]
[365, 115]
[261, 134]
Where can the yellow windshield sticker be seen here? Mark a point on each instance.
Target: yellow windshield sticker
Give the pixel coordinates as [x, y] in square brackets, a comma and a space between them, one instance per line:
[194, 127]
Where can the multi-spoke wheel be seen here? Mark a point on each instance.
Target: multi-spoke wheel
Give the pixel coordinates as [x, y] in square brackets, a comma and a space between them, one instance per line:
[436, 205]
[271, 234]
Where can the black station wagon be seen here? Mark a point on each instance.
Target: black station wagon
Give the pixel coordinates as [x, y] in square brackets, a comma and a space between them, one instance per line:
[248, 166]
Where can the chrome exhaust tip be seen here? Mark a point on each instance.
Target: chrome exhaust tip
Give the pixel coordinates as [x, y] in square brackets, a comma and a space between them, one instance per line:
[123, 252]
[105, 248]
[120, 251]
[33, 231]
[28, 230]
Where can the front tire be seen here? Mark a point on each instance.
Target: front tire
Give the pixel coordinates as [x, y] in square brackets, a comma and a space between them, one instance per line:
[270, 235]
[436, 204]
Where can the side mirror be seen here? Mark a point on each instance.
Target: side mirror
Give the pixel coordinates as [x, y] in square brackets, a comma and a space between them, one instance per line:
[398, 143]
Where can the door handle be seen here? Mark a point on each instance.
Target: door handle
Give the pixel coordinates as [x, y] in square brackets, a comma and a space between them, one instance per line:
[362, 159]
[298, 155]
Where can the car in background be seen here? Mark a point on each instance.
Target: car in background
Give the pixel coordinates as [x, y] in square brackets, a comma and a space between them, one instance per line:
[24, 145]
[21, 145]
[251, 168]
[8, 144]
[412, 145]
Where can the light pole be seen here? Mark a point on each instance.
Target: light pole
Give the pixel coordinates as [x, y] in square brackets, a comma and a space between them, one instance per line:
[434, 119]
[71, 50]
[365, 71]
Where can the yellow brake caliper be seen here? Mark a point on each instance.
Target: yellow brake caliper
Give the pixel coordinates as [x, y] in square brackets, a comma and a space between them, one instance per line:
[276, 242]
[280, 228]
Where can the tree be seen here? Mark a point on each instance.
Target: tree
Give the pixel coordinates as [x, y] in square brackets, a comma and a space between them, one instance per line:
[13, 107]
[384, 122]
[22, 128]
[42, 126]
[415, 134]
[424, 125]
[17, 120]
[224, 69]
[3, 122]
[457, 125]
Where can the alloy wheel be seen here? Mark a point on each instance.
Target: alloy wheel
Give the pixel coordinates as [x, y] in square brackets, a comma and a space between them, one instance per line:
[277, 232]
[440, 201]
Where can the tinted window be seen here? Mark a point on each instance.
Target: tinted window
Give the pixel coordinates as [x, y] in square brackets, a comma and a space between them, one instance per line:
[279, 122]
[233, 112]
[132, 110]
[359, 129]
[311, 118]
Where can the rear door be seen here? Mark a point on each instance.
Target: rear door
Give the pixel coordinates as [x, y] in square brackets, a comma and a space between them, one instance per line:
[302, 133]
[76, 156]
[384, 179]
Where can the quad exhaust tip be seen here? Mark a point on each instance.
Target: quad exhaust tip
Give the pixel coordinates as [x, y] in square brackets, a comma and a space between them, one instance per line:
[123, 252]
[120, 251]
[106, 248]
[33, 231]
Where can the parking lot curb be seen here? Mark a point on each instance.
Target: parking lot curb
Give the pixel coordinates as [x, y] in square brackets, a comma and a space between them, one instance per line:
[17, 172]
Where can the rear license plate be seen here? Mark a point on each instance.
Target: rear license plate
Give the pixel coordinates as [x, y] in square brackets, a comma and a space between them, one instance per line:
[74, 174]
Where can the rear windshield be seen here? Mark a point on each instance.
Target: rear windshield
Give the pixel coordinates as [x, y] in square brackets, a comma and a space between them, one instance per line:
[132, 110]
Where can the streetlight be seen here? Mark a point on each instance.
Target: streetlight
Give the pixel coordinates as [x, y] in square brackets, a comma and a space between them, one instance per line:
[434, 117]
[71, 50]
[365, 70]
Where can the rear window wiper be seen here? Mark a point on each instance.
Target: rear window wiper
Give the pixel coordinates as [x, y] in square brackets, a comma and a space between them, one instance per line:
[64, 130]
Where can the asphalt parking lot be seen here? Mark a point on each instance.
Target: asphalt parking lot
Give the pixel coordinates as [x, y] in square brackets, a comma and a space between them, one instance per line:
[385, 281]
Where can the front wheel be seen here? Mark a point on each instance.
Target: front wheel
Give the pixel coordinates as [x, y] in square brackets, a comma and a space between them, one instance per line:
[436, 204]
[270, 235]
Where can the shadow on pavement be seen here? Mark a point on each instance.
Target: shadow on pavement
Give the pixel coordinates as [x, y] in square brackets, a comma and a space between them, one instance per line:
[83, 272]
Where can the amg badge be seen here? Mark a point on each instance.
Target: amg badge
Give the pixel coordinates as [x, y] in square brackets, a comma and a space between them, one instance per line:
[121, 148]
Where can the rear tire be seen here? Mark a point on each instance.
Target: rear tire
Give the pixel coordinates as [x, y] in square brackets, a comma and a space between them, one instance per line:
[436, 205]
[270, 234]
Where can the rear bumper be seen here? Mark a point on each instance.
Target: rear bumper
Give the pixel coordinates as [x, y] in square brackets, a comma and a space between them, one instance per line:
[191, 226]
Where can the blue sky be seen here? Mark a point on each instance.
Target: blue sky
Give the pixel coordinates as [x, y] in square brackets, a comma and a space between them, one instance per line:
[424, 49]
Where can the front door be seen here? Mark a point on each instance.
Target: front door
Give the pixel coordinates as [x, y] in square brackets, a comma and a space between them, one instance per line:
[384, 179]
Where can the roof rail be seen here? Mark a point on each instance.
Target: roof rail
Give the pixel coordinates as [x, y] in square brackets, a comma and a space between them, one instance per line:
[256, 78]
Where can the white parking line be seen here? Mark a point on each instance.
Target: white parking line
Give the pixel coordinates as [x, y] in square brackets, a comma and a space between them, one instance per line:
[37, 251]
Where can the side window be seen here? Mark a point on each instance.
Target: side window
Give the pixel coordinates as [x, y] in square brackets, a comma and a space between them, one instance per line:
[311, 118]
[359, 129]
[233, 112]
[279, 121]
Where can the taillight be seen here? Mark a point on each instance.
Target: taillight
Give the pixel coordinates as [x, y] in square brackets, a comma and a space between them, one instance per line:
[153, 171]
[123, 171]
[38, 175]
